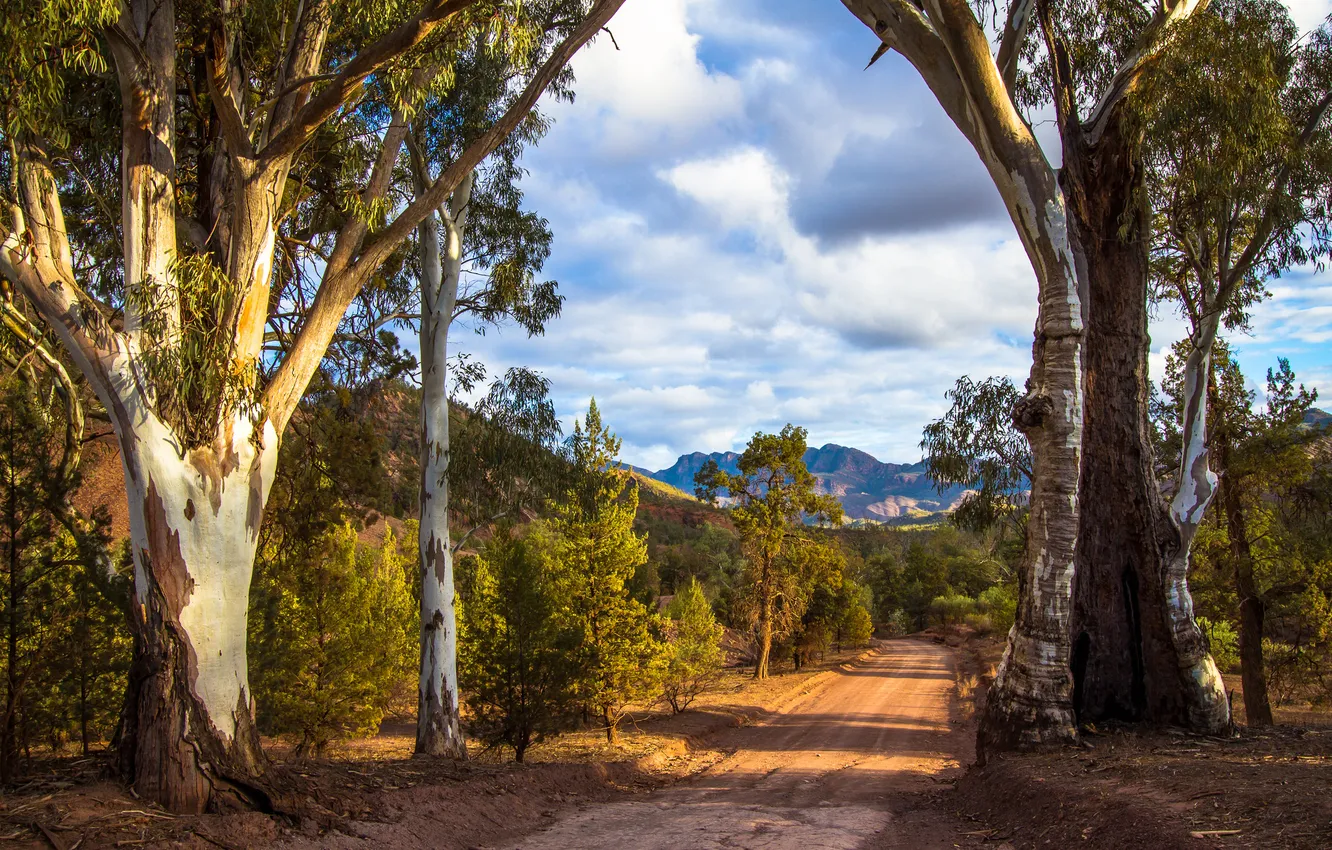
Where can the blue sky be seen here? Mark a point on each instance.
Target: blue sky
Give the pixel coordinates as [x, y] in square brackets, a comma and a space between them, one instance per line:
[750, 230]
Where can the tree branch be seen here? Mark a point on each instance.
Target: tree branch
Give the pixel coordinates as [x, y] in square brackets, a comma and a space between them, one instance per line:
[1267, 224]
[348, 82]
[1012, 40]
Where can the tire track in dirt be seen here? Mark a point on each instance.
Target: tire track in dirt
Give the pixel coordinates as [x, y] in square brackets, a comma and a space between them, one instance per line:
[828, 772]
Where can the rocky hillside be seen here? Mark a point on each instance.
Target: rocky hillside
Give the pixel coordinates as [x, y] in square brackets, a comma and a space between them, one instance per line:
[867, 487]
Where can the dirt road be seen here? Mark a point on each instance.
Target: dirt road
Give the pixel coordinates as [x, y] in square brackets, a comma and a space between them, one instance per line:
[829, 772]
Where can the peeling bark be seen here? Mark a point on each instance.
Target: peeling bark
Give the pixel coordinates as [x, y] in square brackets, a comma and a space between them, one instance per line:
[438, 732]
[188, 738]
[1140, 655]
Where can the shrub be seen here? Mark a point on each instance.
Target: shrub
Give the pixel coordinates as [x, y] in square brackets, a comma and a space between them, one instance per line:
[980, 622]
[857, 626]
[951, 609]
[1222, 643]
[999, 603]
[514, 667]
[694, 656]
[333, 640]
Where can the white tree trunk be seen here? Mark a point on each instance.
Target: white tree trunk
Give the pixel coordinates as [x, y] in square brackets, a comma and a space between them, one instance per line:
[194, 526]
[1030, 703]
[1197, 484]
[437, 728]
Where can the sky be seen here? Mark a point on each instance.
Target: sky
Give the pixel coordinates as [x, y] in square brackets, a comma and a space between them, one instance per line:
[751, 229]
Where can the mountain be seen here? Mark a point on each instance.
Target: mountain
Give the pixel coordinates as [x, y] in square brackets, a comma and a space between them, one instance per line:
[867, 487]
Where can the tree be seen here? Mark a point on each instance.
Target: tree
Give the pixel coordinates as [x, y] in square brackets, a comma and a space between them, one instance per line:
[52, 613]
[975, 445]
[336, 645]
[694, 647]
[1238, 170]
[619, 658]
[772, 493]
[499, 248]
[1094, 510]
[517, 661]
[1263, 460]
[279, 169]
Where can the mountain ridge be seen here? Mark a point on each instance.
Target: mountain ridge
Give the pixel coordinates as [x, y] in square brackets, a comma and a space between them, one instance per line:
[867, 487]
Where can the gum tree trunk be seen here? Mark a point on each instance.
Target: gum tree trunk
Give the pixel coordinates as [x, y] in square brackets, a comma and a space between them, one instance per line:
[438, 732]
[188, 737]
[1137, 653]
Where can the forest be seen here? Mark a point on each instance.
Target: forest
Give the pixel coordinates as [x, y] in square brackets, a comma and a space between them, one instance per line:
[287, 559]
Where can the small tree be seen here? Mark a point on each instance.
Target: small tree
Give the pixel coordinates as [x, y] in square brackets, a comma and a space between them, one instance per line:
[515, 665]
[694, 653]
[772, 491]
[856, 627]
[339, 646]
[619, 658]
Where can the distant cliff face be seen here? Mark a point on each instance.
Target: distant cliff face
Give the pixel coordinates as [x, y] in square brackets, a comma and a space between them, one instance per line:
[866, 487]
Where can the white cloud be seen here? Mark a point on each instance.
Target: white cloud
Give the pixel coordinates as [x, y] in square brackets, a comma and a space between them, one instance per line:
[654, 86]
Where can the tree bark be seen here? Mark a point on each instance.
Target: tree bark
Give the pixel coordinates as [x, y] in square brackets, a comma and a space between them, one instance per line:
[1252, 608]
[764, 622]
[1138, 654]
[612, 730]
[438, 732]
[188, 739]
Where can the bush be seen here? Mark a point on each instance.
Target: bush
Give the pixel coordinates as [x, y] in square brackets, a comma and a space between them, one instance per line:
[694, 656]
[951, 609]
[980, 622]
[514, 664]
[1222, 643]
[333, 641]
[857, 626]
[999, 604]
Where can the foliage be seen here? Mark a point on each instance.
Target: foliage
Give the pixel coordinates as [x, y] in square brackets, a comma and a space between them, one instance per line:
[975, 445]
[67, 646]
[915, 568]
[1222, 643]
[618, 656]
[999, 604]
[1238, 160]
[332, 622]
[951, 609]
[504, 457]
[772, 494]
[694, 655]
[333, 641]
[516, 667]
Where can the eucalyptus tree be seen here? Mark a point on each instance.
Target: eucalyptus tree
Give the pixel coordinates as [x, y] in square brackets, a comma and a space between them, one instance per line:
[1240, 175]
[975, 445]
[1264, 459]
[1094, 507]
[224, 110]
[479, 255]
[772, 493]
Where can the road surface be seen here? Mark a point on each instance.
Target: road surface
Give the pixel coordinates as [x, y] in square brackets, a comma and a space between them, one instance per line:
[828, 772]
